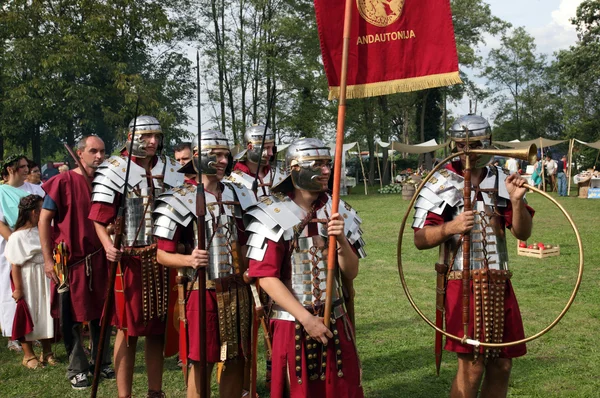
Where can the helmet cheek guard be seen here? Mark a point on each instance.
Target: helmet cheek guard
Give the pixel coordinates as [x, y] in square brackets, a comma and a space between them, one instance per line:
[144, 125]
[253, 155]
[306, 178]
[139, 147]
[300, 160]
[204, 158]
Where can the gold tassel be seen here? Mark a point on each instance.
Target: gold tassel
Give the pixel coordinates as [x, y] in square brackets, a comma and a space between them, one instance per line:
[396, 86]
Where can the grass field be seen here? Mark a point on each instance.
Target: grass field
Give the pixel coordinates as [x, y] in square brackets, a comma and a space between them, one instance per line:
[396, 346]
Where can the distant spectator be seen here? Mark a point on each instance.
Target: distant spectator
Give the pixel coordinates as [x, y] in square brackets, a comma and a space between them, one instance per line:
[512, 165]
[63, 169]
[183, 154]
[50, 171]
[551, 170]
[536, 176]
[561, 177]
[35, 175]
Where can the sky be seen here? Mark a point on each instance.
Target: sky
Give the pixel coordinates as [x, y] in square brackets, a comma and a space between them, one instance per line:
[546, 20]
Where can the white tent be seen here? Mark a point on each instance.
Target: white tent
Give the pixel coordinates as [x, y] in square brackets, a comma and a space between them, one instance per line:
[347, 148]
[423, 147]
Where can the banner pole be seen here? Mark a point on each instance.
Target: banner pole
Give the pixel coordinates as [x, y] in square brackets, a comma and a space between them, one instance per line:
[337, 166]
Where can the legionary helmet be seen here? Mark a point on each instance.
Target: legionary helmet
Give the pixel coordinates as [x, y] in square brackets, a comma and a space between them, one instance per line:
[203, 158]
[473, 128]
[304, 153]
[144, 125]
[254, 136]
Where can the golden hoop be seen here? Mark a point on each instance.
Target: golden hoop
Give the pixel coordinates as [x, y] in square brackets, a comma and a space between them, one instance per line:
[472, 342]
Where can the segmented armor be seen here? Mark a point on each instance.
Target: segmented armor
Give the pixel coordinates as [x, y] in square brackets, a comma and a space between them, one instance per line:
[488, 240]
[278, 217]
[109, 181]
[175, 209]
[242, 184]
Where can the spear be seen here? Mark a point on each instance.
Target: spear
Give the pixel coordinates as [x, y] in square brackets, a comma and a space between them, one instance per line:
[110, 289]
[258, 312]
[201, 271]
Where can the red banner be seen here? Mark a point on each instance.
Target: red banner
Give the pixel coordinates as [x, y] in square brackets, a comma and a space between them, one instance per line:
[395, 46]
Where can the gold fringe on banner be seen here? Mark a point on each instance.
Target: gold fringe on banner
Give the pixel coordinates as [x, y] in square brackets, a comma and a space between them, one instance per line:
[397, 86]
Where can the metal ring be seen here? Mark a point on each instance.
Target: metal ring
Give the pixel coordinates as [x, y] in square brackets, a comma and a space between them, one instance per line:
[475, 342]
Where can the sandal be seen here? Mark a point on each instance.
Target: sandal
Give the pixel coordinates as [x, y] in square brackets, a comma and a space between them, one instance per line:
[246, 394]
[27, 363]
[49, 358]
[13, 345]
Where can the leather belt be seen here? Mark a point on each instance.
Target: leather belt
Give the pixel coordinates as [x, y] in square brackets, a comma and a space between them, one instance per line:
[210, 284]
[279, 313]
[456, 275]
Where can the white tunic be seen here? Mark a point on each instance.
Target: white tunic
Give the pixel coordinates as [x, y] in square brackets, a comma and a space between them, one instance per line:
[7, 304]
[24, 249]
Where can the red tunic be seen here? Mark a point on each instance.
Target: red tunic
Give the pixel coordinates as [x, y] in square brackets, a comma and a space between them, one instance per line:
[192, 312]
[132, 318]
[276, 264]
[87, 283]
[213, 344]
[513, 323]
[243, 167]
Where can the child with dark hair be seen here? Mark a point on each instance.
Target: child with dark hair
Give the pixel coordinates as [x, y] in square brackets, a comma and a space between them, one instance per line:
[31, 288]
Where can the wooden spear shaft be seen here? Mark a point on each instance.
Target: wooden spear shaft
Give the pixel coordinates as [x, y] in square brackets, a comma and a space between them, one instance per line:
[466, 247]
[337, 166]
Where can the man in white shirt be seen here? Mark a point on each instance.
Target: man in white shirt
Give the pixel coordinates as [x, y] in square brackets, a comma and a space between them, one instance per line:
[551, 170]
[512, 165]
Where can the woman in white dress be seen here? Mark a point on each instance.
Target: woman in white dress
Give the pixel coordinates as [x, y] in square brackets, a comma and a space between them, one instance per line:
[24, 253]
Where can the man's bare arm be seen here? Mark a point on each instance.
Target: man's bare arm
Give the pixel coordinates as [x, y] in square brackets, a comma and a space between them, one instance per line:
[434, 235]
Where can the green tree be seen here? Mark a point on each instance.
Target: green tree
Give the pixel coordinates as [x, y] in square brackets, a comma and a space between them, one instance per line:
[514, 70]
[578, 73]
[75, 67]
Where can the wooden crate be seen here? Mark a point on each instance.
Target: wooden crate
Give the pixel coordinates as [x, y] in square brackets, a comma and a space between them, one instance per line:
[537, 253]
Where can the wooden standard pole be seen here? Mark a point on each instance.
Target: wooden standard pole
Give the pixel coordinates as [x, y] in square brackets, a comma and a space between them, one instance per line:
[337, 166]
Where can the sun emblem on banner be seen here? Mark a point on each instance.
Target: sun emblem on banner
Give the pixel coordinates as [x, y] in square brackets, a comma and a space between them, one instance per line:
[380, 13]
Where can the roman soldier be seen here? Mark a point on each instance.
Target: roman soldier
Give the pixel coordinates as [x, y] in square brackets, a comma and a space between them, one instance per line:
[287, 249]
[441, 220]
[227, 296]
[141, 284]
[246, 168]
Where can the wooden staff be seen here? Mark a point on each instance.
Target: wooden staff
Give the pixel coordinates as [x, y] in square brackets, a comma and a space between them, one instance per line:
[466, 246]
[80, 166]
[258, 315]
[258, 319]
[112, 276]
[337, 165]
[183, 338]
[441, 269]
[201, 271]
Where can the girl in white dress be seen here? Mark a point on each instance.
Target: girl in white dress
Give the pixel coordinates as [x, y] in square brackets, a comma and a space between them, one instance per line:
[24, 253]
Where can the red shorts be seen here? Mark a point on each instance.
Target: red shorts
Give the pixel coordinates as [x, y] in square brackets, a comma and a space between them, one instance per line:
[284, 350]
[513, 324]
